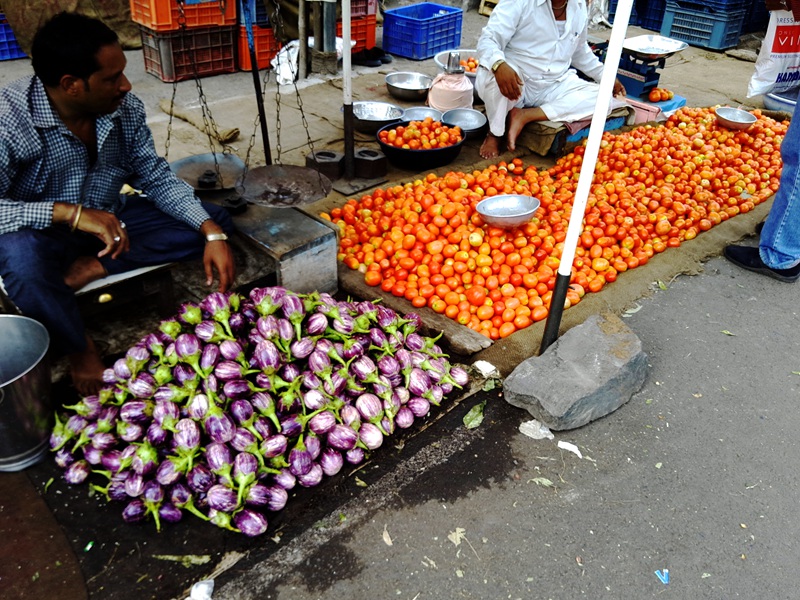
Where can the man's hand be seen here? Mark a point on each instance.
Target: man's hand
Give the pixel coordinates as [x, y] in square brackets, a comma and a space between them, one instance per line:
[619, 89]
[102, 224]
[218, 256]
[508, 81]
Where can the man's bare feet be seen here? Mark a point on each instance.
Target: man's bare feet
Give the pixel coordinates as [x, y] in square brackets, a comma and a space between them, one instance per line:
[87, 369]
[516, 122]
[490, 147]
[83, 271]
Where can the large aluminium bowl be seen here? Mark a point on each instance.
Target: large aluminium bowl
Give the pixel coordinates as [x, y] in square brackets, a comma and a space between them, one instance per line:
[507, 210]
[734, 118]
[472, 122]
[369, 117]
[409, 85]
[419, 113]
[419, 160]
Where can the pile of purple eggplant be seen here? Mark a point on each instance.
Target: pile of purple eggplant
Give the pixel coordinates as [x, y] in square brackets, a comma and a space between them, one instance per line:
[238, 399]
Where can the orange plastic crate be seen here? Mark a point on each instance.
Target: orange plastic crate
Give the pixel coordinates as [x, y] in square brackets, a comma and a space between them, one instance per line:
[265, 44]
[180, 55]
[165, 15]
[362, 30]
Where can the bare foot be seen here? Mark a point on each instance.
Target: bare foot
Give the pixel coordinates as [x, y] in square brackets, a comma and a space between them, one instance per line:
[83, 271]
[87, 369]
[516, 122]
[490, 147]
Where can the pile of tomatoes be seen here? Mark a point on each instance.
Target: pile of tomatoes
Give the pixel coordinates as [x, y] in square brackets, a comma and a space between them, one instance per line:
[470, 64]
[654, 188]
[421, 135]
[658, 94]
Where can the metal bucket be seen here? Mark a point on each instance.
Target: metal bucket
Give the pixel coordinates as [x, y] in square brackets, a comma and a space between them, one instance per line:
[26, 411]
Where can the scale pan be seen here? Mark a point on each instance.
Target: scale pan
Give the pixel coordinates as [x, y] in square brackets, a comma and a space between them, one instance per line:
[283, 186]
[200, 171]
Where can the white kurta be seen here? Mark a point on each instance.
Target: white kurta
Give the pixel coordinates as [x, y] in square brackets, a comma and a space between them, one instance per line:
[526, 35]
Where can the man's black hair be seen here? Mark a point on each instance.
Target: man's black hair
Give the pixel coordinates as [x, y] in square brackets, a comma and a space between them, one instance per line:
[68, 45]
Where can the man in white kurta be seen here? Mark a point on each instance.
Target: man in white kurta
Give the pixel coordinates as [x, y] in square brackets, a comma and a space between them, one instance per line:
[527, 52]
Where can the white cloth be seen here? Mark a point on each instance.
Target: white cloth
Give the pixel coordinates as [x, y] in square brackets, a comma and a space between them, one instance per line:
[450, 91]
[526, 35]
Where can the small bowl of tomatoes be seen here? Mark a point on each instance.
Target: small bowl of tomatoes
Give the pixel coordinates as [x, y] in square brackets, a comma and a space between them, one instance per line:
[421, 145]
[468, 59]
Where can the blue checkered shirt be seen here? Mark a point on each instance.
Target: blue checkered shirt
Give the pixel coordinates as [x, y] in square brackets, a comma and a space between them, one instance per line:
[42, 162]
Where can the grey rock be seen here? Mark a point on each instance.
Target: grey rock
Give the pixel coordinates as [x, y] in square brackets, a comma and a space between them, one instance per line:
[587, 373]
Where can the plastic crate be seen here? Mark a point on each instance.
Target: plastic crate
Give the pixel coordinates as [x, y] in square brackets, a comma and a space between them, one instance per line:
[362, 30]
[180, 55]
[758, 17]
[612, 11]
[715, 30]
[9, 48]
[653, 15]
[266, 47]
[421, 30]
[261, 16]
[165, 15]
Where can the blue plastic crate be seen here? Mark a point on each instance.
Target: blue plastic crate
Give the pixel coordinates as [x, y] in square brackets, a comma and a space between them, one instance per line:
[614, 123]
[612, 11]
[653, 14]
[758, 17]
[421, 30]
[714, 30]
[260, 12]
[9, 48]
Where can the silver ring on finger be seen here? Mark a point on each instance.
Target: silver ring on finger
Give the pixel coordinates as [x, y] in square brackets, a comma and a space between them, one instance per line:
[117, 238]
[122, 225]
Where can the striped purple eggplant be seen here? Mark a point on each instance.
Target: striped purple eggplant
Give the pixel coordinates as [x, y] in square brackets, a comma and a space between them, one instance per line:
[200, 478]
[322, 422]
[370, 435]
[355, 456]
[331, 461]
[77, 472]
[312, 477]
[419, 406]
[187, 436]
[370, 407]
[210, 332]
[266, 300]
[168, 472]
[222, 498]
[273, 446]
[267, 357]
[169, 513]
[134, 484]
[250, 522]
[129, 432]
[156, 434]
[135, 411]
[342, 437]
[122, 370]
[218, 425]
[285, 479]
[404, 417]
[190, 313]
[419, 383]
[286, 334]
[264, 405]
[316, 324]
[294, 311]
[142, 386]
[134, 512]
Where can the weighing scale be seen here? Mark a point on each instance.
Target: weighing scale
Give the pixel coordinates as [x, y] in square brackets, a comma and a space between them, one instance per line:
[642, 57]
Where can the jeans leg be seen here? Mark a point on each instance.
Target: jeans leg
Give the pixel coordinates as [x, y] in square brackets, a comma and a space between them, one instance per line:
[780, 239]
[32, 265]
[155, 237]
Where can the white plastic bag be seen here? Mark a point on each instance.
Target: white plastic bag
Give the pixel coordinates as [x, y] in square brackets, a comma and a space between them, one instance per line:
[778, 65]
[450, 91]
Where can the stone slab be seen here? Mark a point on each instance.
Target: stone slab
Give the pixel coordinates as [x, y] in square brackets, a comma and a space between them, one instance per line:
[589, 372]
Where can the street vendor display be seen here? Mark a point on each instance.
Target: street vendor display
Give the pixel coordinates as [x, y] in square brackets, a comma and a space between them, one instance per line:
[655, 187]
[239, 399]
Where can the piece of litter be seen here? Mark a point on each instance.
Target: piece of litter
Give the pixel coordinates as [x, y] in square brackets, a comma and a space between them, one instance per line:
[726, 332]
[632, 311]
[663, 576]
[459, 573]
[360, 482]
[743, 525]
[202, 590]
[386, 537]
[658, 465]
[474, 417]
[579, 560]
[571, 447]
[485, 368]
[536, 430]
[187, 560]
[543, 481]
[88, 546]
[705, 575]
[457, 535]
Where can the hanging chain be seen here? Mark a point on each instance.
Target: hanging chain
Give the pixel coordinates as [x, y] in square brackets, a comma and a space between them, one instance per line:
[209, 125]
[169, 123]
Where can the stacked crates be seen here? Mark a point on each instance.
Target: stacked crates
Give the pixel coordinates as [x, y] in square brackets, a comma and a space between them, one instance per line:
[715, 24]
[363, 24]
[647, 14]
[183, 39]
[265, 43]
[9, 48]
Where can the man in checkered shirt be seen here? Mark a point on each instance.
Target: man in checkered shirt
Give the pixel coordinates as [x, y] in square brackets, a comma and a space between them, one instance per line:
[70, 137]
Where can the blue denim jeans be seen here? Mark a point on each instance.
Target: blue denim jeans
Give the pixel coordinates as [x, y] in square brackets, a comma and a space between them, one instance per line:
[33, 263]
[780, 239]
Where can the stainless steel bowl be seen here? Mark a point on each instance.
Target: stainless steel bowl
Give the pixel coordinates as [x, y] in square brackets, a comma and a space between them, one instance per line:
[408, 85]
[508, 210]
[472, 122]
[420, 113]
[370, 116]
[734, 118]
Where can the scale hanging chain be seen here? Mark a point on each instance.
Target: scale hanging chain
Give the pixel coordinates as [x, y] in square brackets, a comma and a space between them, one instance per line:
[240, 187]
[209, 125]
[303, 119]
[171, 116]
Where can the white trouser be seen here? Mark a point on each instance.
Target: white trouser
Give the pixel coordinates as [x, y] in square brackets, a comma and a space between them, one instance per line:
[568, 99]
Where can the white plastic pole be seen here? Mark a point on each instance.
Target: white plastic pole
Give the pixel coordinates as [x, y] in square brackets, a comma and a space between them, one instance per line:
[575, 228]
